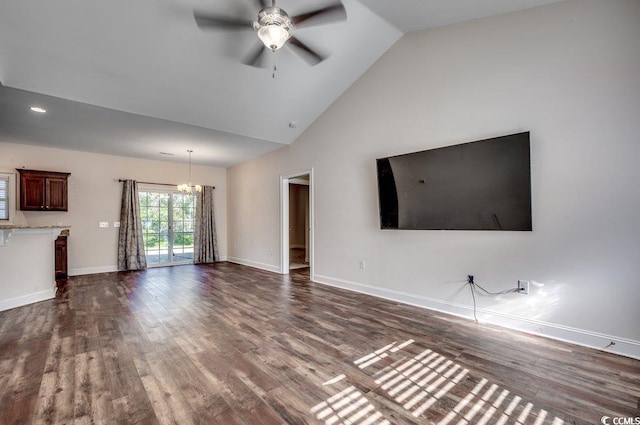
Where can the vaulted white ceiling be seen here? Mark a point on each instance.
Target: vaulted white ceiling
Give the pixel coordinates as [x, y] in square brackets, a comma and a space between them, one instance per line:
[137, 78]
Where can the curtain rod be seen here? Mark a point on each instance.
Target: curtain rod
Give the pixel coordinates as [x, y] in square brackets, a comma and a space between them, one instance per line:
[158, 184]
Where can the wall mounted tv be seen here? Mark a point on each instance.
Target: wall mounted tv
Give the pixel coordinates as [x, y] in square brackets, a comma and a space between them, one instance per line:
[483, 185]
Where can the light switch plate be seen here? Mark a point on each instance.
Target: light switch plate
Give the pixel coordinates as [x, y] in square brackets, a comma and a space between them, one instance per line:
[116, 224]
[104, 224]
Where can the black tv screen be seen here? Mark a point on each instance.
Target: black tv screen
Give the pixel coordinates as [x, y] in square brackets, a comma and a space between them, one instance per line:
[483, 185]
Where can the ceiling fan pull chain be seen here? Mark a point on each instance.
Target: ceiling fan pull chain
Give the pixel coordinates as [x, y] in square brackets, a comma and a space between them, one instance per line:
[275, 67]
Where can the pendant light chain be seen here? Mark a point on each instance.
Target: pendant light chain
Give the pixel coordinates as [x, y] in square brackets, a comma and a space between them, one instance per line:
[189, 150]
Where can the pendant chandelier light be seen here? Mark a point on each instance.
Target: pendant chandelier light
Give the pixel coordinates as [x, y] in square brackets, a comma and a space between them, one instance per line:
[189, 187]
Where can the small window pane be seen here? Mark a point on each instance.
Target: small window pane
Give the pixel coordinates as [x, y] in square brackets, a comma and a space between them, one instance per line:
[4, 198]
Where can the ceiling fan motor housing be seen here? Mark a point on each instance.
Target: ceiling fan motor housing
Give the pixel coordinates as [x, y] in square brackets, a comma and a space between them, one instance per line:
[274, 27]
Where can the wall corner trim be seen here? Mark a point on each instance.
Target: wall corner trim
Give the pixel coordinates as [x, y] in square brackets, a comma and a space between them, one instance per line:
[254, 264]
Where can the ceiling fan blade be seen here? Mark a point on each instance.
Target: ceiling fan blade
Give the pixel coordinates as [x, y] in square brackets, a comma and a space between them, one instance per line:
[305, 52]
[325, 15]
[255, 57]
[213, 21]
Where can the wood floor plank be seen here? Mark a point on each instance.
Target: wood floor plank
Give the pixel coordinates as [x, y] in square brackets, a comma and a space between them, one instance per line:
[19, 398]
[134, 410]
[167, 399]
[92, 401]
[56, 396]
[228, 344]
[202, 393]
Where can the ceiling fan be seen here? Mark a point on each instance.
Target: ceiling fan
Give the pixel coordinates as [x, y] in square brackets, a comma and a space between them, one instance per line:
[275, 28]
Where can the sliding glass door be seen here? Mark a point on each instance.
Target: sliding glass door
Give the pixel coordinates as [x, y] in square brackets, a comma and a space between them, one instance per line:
[168, 220]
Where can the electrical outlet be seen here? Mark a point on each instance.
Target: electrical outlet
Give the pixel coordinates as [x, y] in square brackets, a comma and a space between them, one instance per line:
[116, 224]
[103, 224]
[523, 286]
[363, 265]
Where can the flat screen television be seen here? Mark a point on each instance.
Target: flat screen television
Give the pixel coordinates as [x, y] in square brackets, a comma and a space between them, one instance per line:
[482, 185]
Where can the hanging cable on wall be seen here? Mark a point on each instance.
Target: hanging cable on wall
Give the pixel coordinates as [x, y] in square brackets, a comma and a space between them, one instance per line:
[473, 286]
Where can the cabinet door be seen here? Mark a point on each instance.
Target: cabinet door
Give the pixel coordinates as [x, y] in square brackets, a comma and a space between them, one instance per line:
[43, 190]
[56, 194]
[32, 192]
[61, 257]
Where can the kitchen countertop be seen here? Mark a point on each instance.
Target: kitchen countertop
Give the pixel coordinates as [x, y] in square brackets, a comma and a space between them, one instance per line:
[26, 226]
[6, 230]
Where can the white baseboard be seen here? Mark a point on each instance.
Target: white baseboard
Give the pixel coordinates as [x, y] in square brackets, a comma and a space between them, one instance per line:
[255, 264]
[92, 270]
[598, 341]
[103, 269]
[28, 299]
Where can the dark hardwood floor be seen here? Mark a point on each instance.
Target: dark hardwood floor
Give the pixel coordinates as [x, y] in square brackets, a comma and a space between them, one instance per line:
[228, 344]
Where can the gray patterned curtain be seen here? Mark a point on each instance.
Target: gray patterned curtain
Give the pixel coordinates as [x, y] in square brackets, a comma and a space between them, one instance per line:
[205, 246]
[130, 243]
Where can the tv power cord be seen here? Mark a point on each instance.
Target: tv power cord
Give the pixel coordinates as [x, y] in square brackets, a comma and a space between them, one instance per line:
[473, 286]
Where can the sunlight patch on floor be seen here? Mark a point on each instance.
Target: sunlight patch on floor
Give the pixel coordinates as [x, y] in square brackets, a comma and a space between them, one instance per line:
[349, 406]
[417, 382]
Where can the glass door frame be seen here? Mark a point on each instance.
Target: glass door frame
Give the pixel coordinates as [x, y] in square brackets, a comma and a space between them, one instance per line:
[170, 191]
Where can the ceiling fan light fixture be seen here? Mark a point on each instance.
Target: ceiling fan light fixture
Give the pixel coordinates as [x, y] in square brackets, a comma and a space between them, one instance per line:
[273, 36]
[274, 27]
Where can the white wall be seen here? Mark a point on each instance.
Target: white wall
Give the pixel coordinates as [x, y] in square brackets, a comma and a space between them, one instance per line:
[95, 196]
[569, 74]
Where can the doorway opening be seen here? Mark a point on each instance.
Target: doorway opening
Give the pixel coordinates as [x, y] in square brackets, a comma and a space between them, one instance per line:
[297, 222]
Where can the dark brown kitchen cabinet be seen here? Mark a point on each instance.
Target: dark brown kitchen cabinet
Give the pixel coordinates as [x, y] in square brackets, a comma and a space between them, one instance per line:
[43, 190]
[61, 258]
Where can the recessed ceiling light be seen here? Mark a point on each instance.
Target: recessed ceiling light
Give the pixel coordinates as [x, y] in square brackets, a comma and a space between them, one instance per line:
[38, 109]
